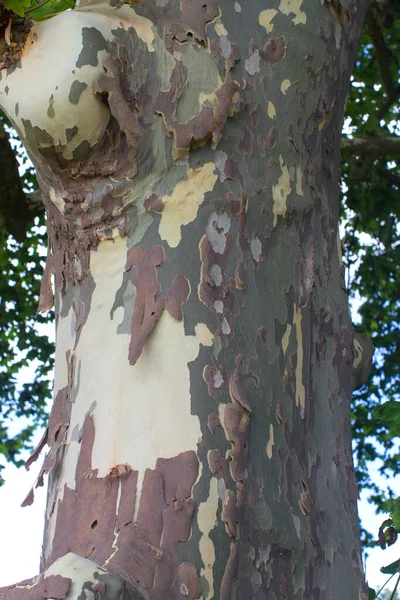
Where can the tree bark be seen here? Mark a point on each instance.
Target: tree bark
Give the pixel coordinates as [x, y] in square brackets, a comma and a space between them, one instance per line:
[199, 442]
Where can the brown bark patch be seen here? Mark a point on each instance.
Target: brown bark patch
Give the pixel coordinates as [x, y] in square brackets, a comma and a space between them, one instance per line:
[218, 465]
[273, 51]
[230, 572]
[213, 422]
[55, 587]
[79, 312]
[148, 307]
[14, 31]
[192, 24]
[122, 103]
[46, 299]
[87, 516]
[154, 203]
[214, 376]
[96, 521]
[177, 295]
[56, 432]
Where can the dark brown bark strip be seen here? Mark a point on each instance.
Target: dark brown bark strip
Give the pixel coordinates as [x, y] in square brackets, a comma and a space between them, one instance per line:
[55, 587]
[148, 307]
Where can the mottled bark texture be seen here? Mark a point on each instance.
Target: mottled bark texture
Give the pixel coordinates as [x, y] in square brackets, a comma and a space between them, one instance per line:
[188, 155]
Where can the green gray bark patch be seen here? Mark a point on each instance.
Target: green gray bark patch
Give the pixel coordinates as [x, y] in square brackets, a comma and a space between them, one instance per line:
[92, 43]
[76, 90]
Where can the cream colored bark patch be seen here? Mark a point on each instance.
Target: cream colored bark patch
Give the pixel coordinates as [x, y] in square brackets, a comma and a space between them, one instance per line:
[266, 17]
[285, 85]
[299, 181]
[142, 412]
[127, 17]
[56, 72]
[203, 334]
[358, 354]
[286, 337]
[57, 200]
[271, 110]
[220, 29]
[51, 77]
[144, 29]
[206, 519]
[271, 442]
[300, 389]
[281, 191]
[288, 7]
[180, 208]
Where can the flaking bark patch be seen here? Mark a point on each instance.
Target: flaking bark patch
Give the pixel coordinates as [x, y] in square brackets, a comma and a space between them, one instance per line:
[208, 124]
[154, 203]
[56, 432]
[95, 520]
[54, 587]
[14, 32]
[148, 307]
[177, 295]
[123, 106]
[193, 21]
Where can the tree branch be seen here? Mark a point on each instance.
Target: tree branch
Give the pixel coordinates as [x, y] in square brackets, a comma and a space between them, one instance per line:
[385, 57]
[383, 54]
[390, 100]
[371, 145]
[17, 208]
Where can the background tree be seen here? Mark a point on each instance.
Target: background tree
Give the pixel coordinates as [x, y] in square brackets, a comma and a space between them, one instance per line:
[389, 595]
[22, 346]
[371, 178]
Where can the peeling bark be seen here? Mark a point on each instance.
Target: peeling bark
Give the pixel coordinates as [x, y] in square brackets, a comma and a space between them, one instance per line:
[199, 443]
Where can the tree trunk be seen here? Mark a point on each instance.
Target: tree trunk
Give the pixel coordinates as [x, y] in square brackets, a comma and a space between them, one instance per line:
[188, 155]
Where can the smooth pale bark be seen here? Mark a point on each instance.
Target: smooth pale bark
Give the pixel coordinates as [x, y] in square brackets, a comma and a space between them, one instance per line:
[188, 157]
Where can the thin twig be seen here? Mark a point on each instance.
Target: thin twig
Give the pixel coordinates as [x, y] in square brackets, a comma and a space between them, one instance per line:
[385, 584]
[395, 588]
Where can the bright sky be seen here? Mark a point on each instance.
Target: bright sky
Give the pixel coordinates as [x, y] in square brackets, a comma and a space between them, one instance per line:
[23, 529]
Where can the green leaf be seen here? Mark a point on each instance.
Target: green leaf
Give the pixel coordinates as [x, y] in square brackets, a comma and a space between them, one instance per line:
[48, 8]
[390, 412]
[395, 514]
[17, 6]
[391, 569]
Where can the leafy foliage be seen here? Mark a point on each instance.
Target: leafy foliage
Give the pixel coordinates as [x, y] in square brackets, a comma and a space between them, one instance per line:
[387, 595]
[38, 11]
[372, 241]
[23, 350]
